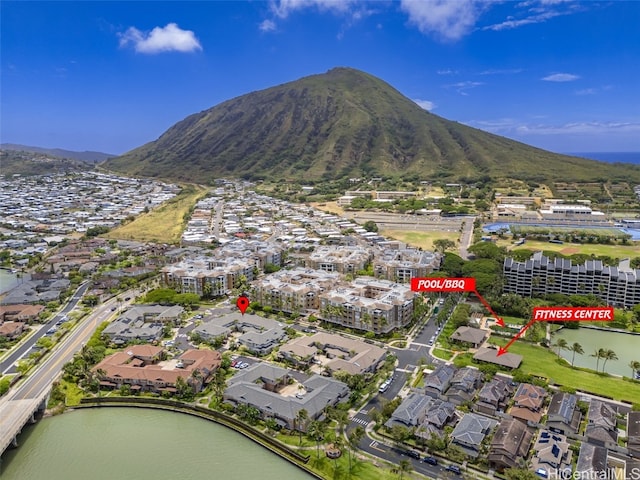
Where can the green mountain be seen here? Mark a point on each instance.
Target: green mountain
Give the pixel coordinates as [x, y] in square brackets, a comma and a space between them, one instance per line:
[86, 156]
[342, 123]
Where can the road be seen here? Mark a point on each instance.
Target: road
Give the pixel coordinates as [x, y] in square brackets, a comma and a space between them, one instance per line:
[8, 364]
[24, 398]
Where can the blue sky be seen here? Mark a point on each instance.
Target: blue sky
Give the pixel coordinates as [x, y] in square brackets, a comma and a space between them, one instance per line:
[111, 76]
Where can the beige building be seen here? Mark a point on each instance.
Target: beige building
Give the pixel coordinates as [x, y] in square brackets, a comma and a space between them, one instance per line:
[369, 304]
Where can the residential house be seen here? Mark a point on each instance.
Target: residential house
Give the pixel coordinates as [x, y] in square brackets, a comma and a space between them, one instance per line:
[633, 433]
[141, 367]
[471, 431]
[438, 415]
[494, 395]
[411, 412]
[259, 334]
[344, 354]
[510, 445]
[11, 330]
[263, 386]
[551, 454]
[142, 322]
[563, 415]
[20, 312]
[528, 403]
[602, 424]
[592, 463]
[469, 336]
[438, 381]
[464, 384]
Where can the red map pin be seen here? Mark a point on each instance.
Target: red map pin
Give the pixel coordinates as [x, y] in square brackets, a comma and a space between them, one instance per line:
[242, 303]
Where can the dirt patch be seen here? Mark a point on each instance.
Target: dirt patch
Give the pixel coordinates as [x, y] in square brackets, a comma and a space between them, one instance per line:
[569, 250]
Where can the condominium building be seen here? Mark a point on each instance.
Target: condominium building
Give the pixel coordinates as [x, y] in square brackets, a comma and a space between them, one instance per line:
[216, 274]
[298, 289]
[369, 304]
[402, 265]
[343, 259]
[540, 275]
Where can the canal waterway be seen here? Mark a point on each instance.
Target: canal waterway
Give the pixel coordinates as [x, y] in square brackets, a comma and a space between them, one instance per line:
[141, 444]
[626, 347]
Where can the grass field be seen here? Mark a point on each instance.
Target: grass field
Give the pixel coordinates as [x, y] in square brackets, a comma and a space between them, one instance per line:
[420, 239]
[330, 207]
[163, 224]
[543, 362]
[615, 251]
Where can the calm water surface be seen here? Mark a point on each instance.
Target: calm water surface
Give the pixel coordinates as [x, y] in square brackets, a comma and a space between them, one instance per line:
[627, 348]
[139, 444]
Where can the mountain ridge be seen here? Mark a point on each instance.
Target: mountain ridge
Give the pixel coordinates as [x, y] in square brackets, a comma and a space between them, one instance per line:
[85, 156]
[339, 124]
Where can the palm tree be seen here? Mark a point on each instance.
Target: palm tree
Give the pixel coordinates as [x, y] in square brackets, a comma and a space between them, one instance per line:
[316, 432]
[598, 354]
[575, 348]
[353, 440]
[405, 467]
[634, 365]
[561, 344]
[608, 355]
[301, 418]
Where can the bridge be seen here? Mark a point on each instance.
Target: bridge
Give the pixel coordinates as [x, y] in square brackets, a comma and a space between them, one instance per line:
[26, 401]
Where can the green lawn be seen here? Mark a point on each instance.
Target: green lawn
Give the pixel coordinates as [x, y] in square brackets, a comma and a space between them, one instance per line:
[361, 469]
[614, 251]
[420, 239]
[443, 354]
[542, 362]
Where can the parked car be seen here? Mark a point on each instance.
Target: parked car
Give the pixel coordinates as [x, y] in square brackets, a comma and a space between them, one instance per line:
[430, 460]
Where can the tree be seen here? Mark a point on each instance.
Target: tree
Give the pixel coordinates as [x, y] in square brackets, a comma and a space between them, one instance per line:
[301, 419]
[561, 344]
[598, 354]
[443, 244]
[575, 348]
[316, 432]
[405, 467]
[520, 474]
[370, 226]
[634, 365]
[400, 433]
[353, 440]
[608, 355]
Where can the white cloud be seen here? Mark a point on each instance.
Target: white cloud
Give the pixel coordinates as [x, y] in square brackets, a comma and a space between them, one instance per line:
[512, 23]
[426, 104]
[267, 26]
[587, 91]
[561, 77]
[506, 71]
[462, 87]
[447, 19]
[448, 71]
[581, 128]
[509, 126]
[170, 38]
[282, 8]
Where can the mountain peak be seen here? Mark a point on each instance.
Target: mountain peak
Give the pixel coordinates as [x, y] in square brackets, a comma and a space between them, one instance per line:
[339, 124]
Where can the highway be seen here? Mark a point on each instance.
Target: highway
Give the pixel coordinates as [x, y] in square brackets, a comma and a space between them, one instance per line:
[7, 365]
[17, 406]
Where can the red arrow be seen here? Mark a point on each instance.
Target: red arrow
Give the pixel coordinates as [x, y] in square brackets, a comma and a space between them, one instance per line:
[503, 350]
[499, 321]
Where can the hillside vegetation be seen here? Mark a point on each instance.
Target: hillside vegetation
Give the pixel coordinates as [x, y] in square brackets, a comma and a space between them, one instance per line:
[344, 123]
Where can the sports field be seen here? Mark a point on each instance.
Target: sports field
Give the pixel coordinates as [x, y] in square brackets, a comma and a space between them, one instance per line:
[420, 239]
[614, 251]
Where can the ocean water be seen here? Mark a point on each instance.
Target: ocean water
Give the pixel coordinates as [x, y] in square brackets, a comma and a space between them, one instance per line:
[611, 157]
